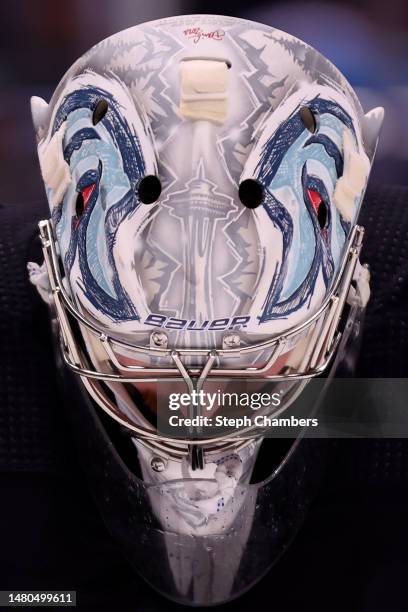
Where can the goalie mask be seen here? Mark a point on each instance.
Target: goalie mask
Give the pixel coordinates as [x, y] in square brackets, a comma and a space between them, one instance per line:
[204, 176]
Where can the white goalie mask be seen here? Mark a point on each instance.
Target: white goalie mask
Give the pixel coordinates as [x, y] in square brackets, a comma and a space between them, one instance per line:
[205, 176]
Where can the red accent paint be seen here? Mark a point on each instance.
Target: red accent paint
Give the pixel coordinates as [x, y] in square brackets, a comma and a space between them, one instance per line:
[87, 192]
[315, 198]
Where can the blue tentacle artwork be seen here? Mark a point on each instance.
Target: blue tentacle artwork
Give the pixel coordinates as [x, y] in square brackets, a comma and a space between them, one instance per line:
[107, 161]
[308, 166]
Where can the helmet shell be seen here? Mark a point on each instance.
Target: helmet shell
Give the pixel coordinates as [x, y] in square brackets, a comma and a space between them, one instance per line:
[197, 261]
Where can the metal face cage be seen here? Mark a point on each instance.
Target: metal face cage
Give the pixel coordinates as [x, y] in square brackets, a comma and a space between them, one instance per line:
[322, 327]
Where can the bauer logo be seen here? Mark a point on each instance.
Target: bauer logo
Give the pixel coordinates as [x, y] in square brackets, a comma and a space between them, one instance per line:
[192, 325]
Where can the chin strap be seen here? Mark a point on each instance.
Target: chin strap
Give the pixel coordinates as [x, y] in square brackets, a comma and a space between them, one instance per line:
[359, 292]
[54, 169]
[38, 276]
[352, 183]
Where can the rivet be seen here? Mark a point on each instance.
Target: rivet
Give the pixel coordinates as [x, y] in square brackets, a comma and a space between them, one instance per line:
[231, 341]
[159, 339]
[158, 464]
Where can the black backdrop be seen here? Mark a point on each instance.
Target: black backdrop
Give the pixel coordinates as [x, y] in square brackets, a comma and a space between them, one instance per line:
[351, 553]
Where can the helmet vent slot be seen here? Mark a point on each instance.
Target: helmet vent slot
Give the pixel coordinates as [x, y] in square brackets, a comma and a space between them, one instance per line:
[100, 111]
[251, 193]
[308, 118]
[149, 189]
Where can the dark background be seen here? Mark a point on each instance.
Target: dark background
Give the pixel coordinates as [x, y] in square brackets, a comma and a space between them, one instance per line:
[352, 552]
[366, 39]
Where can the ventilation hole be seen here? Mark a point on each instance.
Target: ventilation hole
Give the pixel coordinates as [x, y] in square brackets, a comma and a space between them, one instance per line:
[322, 215]
[251, 193]
[99, 111]
[79, 205]
[308, 119]
[149, 189]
